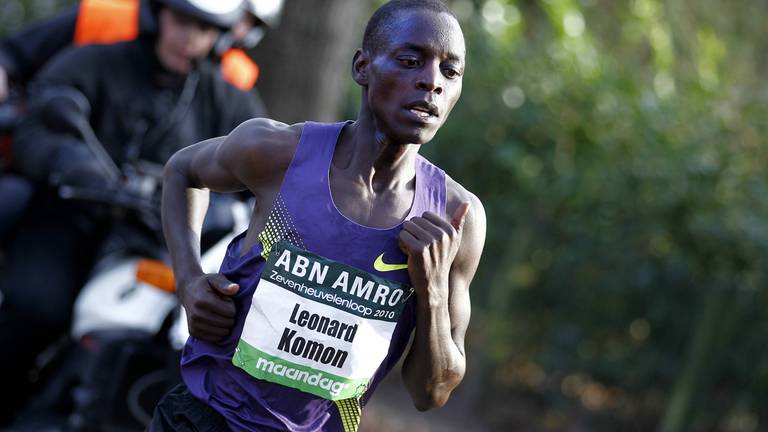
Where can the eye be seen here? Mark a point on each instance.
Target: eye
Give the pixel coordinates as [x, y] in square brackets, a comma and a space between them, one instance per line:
[451, 73]
[408, 61]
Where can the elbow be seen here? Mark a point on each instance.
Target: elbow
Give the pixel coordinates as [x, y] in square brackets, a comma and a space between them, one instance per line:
[430, 402]
[171, 167]
[174, 171]
[435, 394]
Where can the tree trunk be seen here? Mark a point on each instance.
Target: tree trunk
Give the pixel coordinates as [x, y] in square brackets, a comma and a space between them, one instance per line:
[701, 345]
[305, 62]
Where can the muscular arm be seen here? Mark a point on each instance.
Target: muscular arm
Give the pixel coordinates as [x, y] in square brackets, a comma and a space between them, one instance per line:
[248, 158]
[186, 183]
[443, 258]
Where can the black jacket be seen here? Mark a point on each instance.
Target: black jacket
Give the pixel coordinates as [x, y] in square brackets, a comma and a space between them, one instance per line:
[137, 108]
[25, 52]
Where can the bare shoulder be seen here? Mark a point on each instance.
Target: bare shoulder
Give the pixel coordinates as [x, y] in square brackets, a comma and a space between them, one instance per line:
[260, 148]
[473, 238]
[456, 194]
[261, 137]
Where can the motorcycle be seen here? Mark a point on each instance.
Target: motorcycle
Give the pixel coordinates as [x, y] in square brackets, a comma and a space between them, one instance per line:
[15, 190]
[123, 349]
[9, 117]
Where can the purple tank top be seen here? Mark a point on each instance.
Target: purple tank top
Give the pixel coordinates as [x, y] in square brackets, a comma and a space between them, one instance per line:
[305, 216]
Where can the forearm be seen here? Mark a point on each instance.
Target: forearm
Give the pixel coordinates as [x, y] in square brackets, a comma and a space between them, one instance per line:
[435, 363]
[183, 211]
[189, 174]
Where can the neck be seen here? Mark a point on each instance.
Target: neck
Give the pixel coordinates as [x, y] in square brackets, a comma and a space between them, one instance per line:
[370, 155]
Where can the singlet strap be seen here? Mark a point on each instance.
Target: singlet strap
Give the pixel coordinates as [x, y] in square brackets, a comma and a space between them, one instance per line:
[431, 188]
[315, 150]
[309, 172]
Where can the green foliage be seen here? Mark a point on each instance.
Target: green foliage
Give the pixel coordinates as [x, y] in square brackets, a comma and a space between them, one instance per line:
[618, 149]
[16, 13]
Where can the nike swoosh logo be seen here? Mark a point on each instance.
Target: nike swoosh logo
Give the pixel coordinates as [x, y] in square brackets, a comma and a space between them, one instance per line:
[381, 266]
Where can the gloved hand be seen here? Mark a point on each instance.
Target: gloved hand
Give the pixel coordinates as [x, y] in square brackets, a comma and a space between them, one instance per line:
[72, 164]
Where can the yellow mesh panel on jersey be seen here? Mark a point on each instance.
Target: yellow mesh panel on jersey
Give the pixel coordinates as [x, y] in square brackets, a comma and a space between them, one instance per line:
[349, 410]
[279, 227]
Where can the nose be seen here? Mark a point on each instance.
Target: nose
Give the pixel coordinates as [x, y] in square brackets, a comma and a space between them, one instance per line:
[192, 37]
[430, 79]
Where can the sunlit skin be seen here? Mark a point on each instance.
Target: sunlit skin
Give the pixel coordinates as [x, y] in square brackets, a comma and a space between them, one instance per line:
[409, 87]
[182, 39]
[420, 67]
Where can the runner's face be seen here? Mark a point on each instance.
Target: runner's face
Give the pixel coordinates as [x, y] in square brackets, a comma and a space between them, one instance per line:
[415, 78]
[183, 40]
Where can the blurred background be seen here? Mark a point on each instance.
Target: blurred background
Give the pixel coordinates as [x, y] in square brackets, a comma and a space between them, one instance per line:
[618, 149]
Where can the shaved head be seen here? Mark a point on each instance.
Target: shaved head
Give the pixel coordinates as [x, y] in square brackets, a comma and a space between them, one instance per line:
[382, 21]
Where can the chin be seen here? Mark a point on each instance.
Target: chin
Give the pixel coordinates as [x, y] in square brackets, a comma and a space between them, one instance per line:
[419, 136]
[422, 139]
[182, 68]
[176, 66]
[409, 134]
[404, 130]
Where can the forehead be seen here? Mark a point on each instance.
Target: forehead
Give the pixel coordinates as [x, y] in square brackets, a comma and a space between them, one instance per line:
[437, 33]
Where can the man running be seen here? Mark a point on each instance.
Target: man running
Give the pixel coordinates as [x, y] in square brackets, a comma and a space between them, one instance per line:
[356, 242]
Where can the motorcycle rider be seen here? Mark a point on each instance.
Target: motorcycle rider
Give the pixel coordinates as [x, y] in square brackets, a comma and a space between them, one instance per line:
[147, 98]
[23, 53]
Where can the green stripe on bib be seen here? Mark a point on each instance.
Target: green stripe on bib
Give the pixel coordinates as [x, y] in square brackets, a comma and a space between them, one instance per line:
[274, 369]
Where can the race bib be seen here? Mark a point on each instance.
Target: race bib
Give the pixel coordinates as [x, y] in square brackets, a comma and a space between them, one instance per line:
[318, 325]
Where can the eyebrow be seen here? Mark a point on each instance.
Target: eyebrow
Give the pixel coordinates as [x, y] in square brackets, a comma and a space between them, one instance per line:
[423, 50]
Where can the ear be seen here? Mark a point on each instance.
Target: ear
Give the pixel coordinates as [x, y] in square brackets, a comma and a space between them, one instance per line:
[360, 64]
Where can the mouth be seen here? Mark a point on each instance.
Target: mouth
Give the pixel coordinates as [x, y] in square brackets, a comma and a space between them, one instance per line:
[424, 111]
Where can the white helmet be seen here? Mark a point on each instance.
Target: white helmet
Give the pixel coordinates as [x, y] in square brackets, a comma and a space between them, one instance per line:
[267, 11]
[220, 13]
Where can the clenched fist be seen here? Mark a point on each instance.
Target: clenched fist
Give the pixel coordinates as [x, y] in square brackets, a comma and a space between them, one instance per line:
[431, 244]
[210, 310]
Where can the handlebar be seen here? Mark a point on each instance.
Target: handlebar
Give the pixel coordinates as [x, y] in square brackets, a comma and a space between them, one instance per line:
[125, 203]
[113, 196]
[66, 110]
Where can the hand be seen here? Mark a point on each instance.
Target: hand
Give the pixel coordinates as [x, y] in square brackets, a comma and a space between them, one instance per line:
[431, 244]
[73, 165]
[83, 174]
[210, 309]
